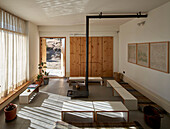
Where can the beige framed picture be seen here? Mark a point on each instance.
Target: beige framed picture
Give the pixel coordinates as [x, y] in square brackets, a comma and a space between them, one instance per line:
[159, 56]
[143, 54]
[132, 53]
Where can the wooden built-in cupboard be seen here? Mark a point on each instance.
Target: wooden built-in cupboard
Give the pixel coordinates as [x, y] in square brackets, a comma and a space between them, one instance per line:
[100, 56]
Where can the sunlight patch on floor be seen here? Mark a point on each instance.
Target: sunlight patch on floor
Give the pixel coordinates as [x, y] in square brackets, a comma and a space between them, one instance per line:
[47, 114]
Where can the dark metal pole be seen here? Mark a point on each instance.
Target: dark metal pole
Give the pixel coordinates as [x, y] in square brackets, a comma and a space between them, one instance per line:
[87, 51]
[138, 15]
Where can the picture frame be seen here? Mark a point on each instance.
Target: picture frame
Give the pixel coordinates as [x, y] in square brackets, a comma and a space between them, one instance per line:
[132, 53]
[143, 54]
[159, 56]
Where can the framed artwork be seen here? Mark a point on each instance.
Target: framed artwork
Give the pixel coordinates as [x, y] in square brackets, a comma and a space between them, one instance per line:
[143, 54]
[159, 56]
[132, 53]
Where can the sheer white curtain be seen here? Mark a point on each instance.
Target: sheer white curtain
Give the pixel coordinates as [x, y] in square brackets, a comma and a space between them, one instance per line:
[12, 53]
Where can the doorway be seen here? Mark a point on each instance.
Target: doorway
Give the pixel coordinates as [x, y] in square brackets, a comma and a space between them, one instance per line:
[53, 52]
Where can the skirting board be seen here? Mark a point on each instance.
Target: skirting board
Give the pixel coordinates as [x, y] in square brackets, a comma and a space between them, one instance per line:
[152, 96]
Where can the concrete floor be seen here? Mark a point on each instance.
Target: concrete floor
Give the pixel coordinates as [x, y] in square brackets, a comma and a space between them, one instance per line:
[44, 110]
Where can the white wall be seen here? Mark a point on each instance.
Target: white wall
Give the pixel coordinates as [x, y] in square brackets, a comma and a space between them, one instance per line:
[156, 28]
[68, 31]
[33, 47]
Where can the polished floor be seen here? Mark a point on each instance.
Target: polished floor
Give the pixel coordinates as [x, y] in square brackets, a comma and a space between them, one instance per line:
[44, 110]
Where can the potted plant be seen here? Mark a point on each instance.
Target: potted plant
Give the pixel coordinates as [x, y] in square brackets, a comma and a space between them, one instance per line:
[39, 79]
[43, 76]
[40, 67]
[46, 78]
[44, 73]
[40, 75]
[10, 112]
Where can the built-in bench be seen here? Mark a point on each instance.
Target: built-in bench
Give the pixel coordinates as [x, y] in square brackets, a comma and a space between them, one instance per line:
[128, 99]
[82, 79]
[25, 97]
[96, 79]
[113, 83]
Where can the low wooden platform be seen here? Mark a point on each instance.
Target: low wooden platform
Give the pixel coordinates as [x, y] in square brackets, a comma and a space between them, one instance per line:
[77, 79]
[77, 107]
[116, 107]
[128, 99]
[83, 79]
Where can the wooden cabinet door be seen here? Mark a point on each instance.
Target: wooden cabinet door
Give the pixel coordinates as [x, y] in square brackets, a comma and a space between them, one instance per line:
[97, 56]
[83, 69]
[100, 56]
[82, 49]
[83, 57]
[107, 56]
[75, 56]
[96, 70]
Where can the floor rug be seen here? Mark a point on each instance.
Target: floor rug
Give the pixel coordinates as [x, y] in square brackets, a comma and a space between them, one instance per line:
[122, 125]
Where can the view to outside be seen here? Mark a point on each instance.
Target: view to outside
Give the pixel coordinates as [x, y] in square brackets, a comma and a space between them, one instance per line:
[54, 56]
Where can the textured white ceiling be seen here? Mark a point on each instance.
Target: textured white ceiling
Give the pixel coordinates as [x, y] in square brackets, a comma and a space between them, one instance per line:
[73, 12]
[53, 8]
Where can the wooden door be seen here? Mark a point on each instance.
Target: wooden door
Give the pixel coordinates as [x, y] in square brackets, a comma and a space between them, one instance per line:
[75, 56]
[97, 56]
[43, 50]
[63, 57]
[107, 56]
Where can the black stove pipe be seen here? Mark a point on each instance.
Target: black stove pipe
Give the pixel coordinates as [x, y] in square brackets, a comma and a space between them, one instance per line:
[138, 15]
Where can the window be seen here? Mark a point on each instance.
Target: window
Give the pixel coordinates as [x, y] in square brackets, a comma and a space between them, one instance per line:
[12, 53]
